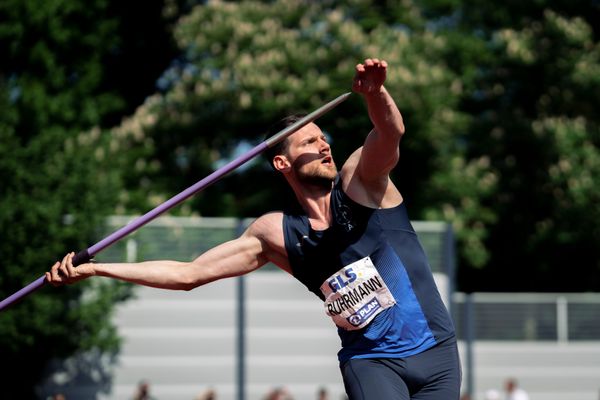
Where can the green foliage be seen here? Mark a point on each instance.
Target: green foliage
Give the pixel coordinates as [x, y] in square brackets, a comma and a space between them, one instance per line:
[471, 78]
[50, 204]
[251, 63]
[532, 99]
[57, 184]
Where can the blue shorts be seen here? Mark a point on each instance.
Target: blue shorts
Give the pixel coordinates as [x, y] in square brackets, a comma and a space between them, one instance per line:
[432, 375]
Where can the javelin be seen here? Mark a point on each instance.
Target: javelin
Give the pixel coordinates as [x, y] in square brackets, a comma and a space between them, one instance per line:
[84, 256]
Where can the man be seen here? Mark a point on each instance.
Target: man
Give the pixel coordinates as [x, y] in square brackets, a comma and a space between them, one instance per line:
[513, 391]
[351, 243]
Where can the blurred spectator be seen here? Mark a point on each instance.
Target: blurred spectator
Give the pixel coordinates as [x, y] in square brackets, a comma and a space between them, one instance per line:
[209, 394]
[143, 392]
[58, 396]
[322, 394]
[513, 392]
[465, 396]
[279, 393]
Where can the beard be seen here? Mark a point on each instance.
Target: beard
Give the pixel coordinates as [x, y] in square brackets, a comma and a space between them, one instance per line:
[320, 177]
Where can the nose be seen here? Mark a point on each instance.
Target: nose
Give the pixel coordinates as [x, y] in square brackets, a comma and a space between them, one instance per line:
[324, 146]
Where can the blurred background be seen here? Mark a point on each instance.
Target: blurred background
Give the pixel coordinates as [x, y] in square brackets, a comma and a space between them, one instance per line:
[109, 108]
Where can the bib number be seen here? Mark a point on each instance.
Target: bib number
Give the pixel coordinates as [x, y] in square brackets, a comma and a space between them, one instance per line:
[355, 295]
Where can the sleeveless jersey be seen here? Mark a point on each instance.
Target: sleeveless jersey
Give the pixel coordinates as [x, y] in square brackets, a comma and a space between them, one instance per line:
[372, 273]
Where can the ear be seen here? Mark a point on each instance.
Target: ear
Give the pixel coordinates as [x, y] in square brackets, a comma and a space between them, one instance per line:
[281, 163]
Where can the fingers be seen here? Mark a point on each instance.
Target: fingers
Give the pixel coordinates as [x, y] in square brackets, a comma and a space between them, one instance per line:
[70, 268]
[62, 272]
[52, 276]
[371, 63]
[370, 76]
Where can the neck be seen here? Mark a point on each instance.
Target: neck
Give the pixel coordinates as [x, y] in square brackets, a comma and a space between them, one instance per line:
[315, 200]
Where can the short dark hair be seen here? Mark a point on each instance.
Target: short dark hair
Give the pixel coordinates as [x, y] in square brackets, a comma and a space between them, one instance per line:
[281, 147]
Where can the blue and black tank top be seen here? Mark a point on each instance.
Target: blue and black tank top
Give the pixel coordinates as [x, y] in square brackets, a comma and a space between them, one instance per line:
[372, 273]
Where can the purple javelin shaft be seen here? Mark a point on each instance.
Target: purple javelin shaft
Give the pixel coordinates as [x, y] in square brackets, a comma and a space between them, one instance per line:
[175, 200]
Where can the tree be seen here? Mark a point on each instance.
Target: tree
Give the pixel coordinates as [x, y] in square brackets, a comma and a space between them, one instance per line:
[246, 65]
[484, 94]
[532, 97]
[61, 66]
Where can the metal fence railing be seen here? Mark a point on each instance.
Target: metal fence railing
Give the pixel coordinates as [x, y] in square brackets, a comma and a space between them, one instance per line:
[479, 316]
[185, 238]
[527, 316]
[516, 319]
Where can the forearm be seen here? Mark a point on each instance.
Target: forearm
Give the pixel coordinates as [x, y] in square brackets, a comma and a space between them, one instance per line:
[384, 114]
[233, 258]
[229, 259]
[161, 274]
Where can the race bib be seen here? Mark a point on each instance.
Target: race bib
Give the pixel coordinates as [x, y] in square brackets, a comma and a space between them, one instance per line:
[355, 295]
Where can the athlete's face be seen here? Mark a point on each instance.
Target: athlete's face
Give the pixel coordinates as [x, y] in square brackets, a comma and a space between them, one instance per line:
[308, 157]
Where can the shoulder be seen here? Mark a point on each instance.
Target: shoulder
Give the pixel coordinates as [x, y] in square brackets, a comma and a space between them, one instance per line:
[268, 228]
[267, 223]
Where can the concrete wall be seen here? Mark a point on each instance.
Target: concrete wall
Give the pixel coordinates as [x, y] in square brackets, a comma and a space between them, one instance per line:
[185, 342]
[546, 370]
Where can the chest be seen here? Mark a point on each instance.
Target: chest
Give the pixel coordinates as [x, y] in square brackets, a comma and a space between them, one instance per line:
[315, 255]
